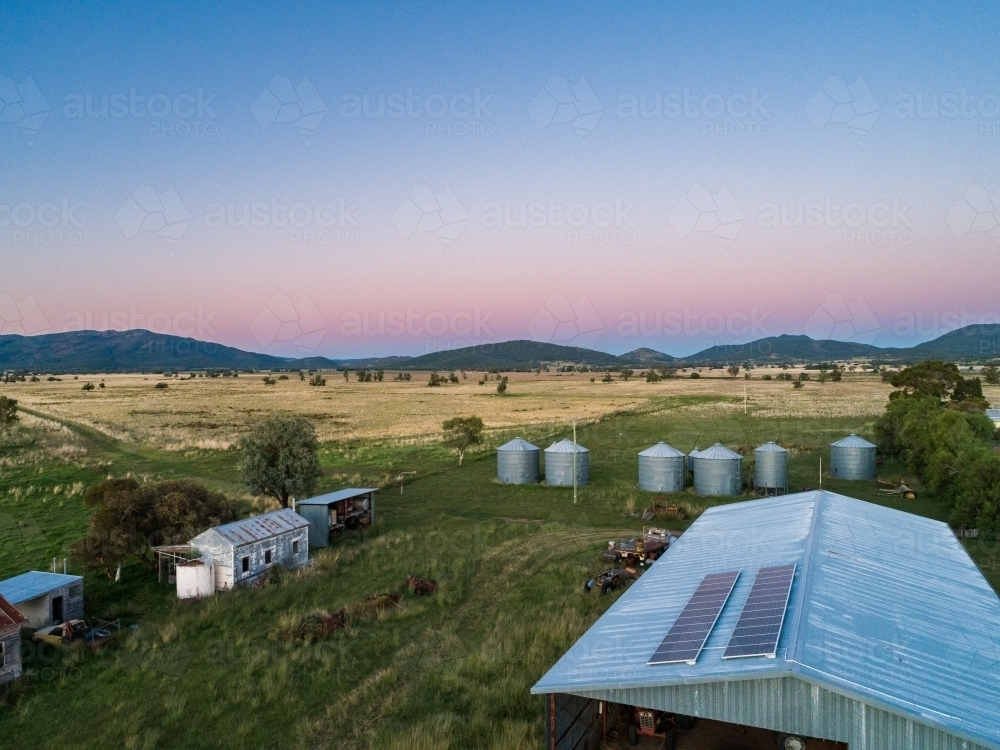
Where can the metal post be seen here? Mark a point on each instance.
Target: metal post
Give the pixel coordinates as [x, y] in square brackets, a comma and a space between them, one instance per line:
[821, 472]
[574, 462]
[65, 569]
[54, 560]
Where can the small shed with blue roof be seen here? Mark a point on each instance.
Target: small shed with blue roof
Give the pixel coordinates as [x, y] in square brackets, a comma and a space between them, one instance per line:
[45, 598]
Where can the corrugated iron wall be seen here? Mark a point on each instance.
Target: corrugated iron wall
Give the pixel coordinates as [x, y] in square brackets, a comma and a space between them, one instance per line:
[792, 706]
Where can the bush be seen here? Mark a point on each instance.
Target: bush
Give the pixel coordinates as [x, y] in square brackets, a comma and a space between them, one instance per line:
[161, 386]
[317, 380]
[695, 376]
[87, 387]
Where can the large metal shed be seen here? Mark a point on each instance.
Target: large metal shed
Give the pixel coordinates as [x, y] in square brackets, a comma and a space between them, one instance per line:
[337, 512]
[853, 458]
[45, 598]
[517, 462]
[889, 640]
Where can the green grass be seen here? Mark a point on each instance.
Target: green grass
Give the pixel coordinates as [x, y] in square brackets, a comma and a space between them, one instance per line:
[452, 670]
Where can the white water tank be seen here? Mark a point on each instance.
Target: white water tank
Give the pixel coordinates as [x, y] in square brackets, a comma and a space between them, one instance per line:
[195, 579]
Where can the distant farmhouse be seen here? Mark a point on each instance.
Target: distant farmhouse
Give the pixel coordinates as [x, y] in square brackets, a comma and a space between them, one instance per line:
[242, 551]
[45, 598]
[994, 415]
[10, 641]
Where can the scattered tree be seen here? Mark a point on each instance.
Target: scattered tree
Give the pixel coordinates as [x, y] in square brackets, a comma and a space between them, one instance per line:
[128, 519]
[279, 458]
[463, 432]
[502, 386]
[695, 375]
[991, 374]
[435, 380]
[452, 377]
[87, 387]
[653, 377]
[161, 386]
[317, 380]
[269, 380]
[626, 373]
[733, 370]
[607, 378]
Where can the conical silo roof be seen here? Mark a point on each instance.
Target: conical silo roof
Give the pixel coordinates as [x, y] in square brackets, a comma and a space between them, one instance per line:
[518, 444]
[566, 446]
[853, 441]
[718, 451]
[661, 450]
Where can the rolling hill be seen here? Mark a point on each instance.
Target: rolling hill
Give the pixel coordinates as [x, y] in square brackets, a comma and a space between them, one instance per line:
[137, 350]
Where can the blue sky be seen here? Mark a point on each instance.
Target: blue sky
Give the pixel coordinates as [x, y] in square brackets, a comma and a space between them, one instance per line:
[917, 169]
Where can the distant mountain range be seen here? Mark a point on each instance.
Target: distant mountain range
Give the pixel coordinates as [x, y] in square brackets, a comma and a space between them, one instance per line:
[144, 351]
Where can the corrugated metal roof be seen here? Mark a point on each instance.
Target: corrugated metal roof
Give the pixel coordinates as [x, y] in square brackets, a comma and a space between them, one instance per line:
[886, 607]
[518, 445]
[662, 450]
[565, 446]
[853, 441]
[336, 497]
[694, 452]
[259, 528]
[718, 451]
[33, 584]
[9, 616]
[770, 447]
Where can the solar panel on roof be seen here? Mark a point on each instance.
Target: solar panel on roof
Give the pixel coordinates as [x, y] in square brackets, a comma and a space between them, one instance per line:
[759, 627]
[687, 637]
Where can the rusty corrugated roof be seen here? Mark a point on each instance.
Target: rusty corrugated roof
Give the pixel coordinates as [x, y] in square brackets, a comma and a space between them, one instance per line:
[9, 615]
[259, 528]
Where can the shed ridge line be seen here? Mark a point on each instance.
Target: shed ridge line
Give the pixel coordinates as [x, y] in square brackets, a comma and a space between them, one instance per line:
[805, 588]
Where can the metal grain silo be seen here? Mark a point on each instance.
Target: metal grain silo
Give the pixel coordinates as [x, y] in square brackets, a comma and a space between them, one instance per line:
[661, 469]
[770, 474]
[517, 462]
[718, 471]
[689, 461]
[852, 458]
[559, 464]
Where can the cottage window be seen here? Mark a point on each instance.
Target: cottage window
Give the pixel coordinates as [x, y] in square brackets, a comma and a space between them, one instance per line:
[267, 557]
[295, 547]
[246, 564]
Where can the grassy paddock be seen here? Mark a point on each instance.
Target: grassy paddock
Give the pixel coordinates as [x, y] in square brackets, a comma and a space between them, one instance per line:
[447, 671]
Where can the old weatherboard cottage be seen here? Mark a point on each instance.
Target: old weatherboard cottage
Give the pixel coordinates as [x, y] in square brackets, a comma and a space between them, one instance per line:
[242, 551]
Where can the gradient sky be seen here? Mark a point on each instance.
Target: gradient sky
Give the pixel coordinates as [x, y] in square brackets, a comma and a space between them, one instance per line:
[131, 216]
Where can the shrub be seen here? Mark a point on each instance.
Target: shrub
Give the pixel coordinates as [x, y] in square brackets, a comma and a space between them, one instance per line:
[161, 386]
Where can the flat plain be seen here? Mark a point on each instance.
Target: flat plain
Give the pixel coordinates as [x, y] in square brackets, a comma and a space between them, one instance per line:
[448, 671]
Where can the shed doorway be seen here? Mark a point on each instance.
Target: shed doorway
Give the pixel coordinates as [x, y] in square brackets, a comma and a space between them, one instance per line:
[57, 610]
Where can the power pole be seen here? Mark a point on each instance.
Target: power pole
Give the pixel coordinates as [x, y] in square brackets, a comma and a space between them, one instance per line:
[574, 461]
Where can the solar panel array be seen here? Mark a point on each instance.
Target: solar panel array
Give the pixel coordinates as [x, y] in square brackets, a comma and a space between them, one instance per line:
[759, 627]
[687, 637]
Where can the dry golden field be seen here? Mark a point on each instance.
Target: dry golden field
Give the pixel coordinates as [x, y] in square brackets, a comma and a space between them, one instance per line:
[214, 412]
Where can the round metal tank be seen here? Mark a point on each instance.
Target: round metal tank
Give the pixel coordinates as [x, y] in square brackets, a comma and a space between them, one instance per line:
[661, 469]
[770, 467]
[559, 464]
[689, 461]
[852, 458]
[718, 471]
[517, 462]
